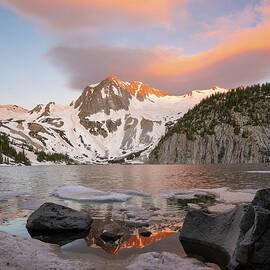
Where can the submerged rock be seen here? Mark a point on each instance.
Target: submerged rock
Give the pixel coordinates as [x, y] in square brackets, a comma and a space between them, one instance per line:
[54, 218]
[165, 261]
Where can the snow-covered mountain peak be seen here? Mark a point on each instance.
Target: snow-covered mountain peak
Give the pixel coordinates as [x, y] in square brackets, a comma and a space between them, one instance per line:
[11, 111]
[206, 93]
[111, 120]
[135, 88]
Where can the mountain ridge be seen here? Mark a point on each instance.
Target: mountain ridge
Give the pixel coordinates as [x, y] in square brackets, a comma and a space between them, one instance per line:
[109, 121]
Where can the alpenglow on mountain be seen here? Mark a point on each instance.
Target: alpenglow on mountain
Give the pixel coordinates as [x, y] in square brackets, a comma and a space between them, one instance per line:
[111, 121]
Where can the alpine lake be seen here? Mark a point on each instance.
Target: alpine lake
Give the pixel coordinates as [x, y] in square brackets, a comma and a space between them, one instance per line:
[125, 199]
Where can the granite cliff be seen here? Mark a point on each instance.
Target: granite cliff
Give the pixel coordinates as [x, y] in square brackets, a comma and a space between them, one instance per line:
[232, 127]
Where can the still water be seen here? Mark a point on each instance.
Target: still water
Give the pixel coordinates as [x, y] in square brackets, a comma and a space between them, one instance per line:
[38, 183]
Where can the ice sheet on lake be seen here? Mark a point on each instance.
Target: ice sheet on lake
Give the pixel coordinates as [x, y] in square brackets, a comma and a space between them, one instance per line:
[136, 193]
[81, 193]
[6, 195]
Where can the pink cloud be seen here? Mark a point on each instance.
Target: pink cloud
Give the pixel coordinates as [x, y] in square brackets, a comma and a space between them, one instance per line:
[243, 59]
[80, 14]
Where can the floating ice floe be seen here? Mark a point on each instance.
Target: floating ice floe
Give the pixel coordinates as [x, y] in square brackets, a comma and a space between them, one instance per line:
[137, 193]
[81, 193]
[165, 261]
[6, 195]
[190, 194]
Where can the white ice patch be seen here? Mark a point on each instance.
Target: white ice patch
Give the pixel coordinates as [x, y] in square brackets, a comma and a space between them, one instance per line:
[10, 194]
[137, 193]
[81, 193]
[165, 261]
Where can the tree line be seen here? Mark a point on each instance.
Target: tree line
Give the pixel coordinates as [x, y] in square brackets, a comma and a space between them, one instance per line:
[7, 152]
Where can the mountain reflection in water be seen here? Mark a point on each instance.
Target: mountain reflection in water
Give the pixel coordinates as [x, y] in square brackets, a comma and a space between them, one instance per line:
[131, 237]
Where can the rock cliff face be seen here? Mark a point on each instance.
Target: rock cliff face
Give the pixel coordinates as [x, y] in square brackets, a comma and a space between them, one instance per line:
[225, 128]
[222, 147]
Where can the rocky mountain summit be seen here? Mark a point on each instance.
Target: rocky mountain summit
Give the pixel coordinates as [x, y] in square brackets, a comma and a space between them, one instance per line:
[232, 127]
[112, 121]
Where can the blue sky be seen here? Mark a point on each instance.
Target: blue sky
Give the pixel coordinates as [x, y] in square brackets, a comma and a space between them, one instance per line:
[27, 77]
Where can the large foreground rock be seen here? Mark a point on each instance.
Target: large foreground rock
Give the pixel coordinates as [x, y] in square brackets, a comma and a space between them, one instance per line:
[212, 236]
[19, 253]
[253, 247]
[54, 218]
[238, 239]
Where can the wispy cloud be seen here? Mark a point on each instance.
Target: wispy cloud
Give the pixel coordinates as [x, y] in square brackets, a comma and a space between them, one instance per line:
[64, 15]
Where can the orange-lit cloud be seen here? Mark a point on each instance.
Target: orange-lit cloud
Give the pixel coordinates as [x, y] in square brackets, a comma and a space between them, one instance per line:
[74, 14]
[244, 58]
[250, 40]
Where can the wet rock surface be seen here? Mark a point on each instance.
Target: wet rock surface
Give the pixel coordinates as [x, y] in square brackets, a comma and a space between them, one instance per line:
[234, 239]
[54, 218]
[253, 249]
[19, 253]
[212, 236]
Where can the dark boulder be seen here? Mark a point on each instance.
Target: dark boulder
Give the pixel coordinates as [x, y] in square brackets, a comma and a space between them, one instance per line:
[253, 247]
[53, 218]
[212, 236]
[239, 239]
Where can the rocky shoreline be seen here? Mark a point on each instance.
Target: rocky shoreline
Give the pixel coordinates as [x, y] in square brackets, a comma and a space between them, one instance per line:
[234, 238]
[19, 253]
